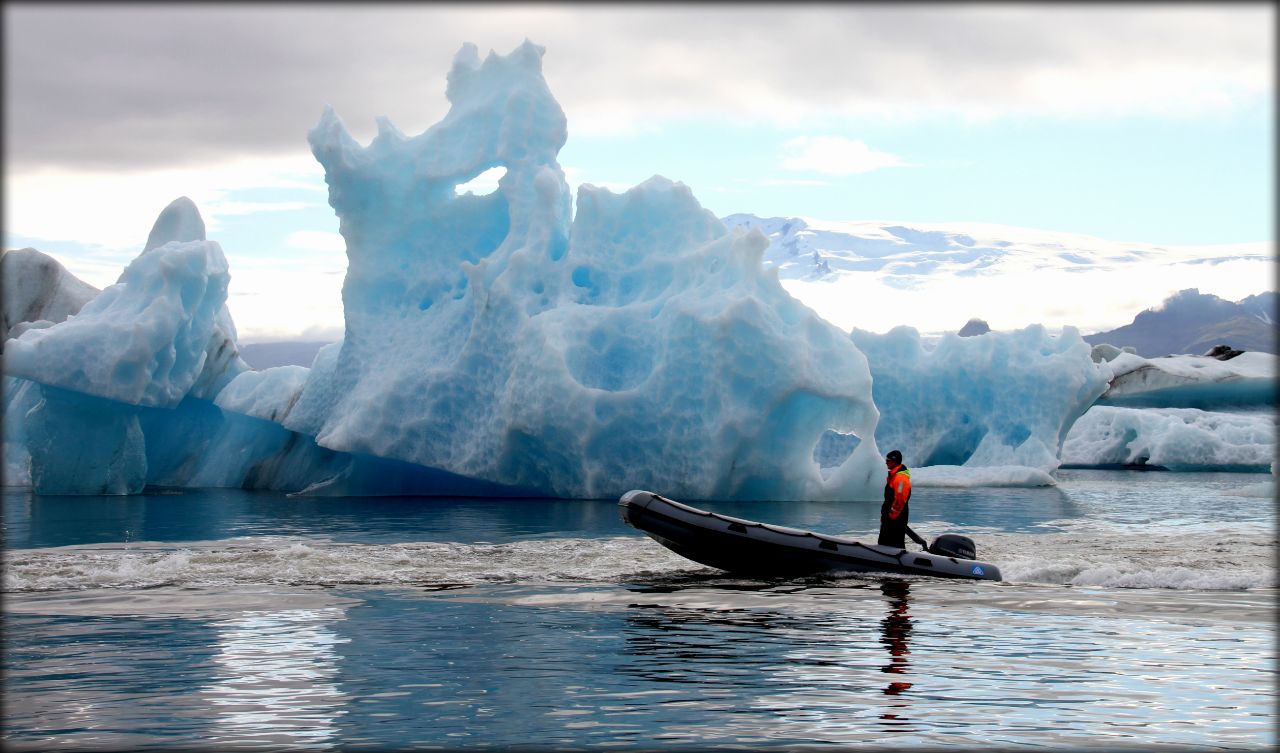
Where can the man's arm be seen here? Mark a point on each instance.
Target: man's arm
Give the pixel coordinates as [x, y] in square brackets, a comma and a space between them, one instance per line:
[901, 483]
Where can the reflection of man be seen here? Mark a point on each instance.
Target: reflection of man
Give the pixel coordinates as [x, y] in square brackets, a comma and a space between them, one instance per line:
[895, 629]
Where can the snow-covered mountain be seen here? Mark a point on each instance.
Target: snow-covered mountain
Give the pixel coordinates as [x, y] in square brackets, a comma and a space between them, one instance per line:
[1193, 322]
[933, 276]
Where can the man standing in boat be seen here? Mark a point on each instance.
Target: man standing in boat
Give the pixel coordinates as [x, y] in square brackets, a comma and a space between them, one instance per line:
[894, 512]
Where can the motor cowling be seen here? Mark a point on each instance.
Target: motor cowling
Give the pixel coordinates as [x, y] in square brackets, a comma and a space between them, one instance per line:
[954, 545]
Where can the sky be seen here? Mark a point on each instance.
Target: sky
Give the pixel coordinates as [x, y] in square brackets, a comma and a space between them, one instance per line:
[1145, 123]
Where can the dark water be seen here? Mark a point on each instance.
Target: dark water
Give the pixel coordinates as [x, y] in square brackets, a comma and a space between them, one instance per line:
[1138, 611]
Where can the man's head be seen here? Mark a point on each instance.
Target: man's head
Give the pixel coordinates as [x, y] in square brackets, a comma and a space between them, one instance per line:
[893, 458]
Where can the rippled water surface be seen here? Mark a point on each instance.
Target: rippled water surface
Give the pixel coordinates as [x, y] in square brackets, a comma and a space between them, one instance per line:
[1138, 611]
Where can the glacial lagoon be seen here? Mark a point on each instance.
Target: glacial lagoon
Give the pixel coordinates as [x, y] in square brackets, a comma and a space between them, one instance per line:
[1137, 612]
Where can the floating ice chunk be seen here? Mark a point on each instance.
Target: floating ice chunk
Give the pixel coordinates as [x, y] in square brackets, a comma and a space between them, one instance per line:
[37, 289]
[1249, 379]
[1181, 439]
[1001, 399]
[1107, 352]
[141, 341]
[160, 333]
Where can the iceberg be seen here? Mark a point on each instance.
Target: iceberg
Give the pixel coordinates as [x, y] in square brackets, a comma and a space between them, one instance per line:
[641, 344]
[1178, 439]
[76, 390]
[38, 292]
[161, 332]
[1189, 381]
[990, 400]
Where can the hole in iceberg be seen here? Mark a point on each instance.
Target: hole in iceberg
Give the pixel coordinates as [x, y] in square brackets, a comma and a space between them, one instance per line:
[832, 449]
[483, 184]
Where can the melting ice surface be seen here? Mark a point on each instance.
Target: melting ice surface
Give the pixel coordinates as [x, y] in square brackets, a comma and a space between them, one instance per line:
[496, 347]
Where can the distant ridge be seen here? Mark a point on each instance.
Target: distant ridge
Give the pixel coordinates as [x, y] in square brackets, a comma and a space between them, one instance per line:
[878, 274]
[287, 353]
[1193, 322]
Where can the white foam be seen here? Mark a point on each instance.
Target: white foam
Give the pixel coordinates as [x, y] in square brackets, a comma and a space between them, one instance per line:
[1226, 559]
[297, 561]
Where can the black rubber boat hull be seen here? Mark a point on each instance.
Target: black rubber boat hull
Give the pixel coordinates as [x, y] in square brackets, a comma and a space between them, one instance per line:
[745, 547]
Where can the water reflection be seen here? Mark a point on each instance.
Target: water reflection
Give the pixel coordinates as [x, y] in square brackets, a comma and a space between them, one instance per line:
[277, 683]
[895, 631]
[812, 664]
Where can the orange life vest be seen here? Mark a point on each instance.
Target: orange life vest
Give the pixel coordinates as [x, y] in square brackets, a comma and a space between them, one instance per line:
[898, 484]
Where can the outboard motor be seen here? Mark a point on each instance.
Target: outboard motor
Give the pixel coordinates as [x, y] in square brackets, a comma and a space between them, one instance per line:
[954, 545]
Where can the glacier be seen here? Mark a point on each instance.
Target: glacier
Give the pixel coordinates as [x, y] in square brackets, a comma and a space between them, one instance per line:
[517, 344]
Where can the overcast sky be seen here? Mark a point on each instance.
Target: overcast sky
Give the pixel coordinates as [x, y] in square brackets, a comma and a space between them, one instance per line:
[1148, 122]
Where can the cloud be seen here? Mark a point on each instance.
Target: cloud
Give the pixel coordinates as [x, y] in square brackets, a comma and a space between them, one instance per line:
[484, 183]
[269, 301]
[1093, 300]
[105, 86]
[316, 240]
[794, 182]
[116, 209]
[834, 155]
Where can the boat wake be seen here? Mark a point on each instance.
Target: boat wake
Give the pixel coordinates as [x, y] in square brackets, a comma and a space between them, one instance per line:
[1213, 561]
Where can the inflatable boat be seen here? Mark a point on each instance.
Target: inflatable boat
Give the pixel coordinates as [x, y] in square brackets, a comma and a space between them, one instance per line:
[745, 547]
